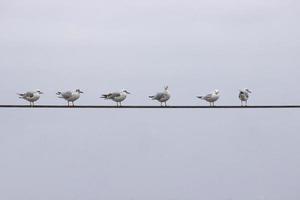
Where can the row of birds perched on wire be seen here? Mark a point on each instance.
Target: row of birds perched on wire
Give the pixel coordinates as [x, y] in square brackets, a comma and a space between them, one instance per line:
[119, 97]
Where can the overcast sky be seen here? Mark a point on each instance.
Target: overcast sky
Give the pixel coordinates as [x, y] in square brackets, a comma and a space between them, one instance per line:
[193, 47]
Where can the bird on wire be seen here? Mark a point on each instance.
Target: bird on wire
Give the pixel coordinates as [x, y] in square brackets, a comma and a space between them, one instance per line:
[31, 96]
[117, 97]
[211, 98]
[244, 96]
[70, 96]
[162, 97]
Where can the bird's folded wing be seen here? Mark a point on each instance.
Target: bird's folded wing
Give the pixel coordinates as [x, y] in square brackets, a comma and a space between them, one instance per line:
[209, 96]
[29, 94]
[67, 94]
[114, 94]
[159, 96]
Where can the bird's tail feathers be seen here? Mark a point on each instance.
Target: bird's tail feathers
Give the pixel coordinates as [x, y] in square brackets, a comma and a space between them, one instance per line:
[20, 95]
[59, 94]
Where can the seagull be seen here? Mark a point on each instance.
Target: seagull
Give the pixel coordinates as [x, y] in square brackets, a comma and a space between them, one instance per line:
[70, 96]
[116, 96]
[162, 97]
[31, 96]
[211, 98]
[244, 96]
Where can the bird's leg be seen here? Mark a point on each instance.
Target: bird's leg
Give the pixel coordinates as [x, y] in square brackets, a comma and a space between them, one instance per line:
[166, 104]
[68, 103]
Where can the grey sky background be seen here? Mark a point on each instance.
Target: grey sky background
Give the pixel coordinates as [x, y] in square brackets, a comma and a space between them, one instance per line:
[192, 46]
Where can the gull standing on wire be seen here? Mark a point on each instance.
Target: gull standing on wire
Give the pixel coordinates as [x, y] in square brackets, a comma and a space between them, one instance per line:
[70, 96]
[244, 96]
[211, 98]
[117, 97]
[162, 97]
[32, 96]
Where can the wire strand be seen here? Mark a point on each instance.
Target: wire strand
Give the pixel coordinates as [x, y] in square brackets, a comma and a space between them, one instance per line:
[153, 107]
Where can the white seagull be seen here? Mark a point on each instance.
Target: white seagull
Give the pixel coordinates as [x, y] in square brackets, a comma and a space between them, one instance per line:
[70, 96]
[211, 98]
[162, 97]
[244, 96]
[117, 97]
[31, 96]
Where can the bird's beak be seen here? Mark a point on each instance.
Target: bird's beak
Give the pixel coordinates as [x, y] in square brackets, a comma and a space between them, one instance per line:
[128, 92]
[81, 92]
[41, 92]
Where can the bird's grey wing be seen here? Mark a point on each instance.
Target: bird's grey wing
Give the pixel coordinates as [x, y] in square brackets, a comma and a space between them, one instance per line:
[111, 95]
[159, 96]
[29, 94]
[67, 94]
[209, 96]
[114, 95]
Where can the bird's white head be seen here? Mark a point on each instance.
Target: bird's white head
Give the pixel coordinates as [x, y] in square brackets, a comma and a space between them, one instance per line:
[125, 91]
[38, 91]
[247, 90]
[79, 91]
[216, 92]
